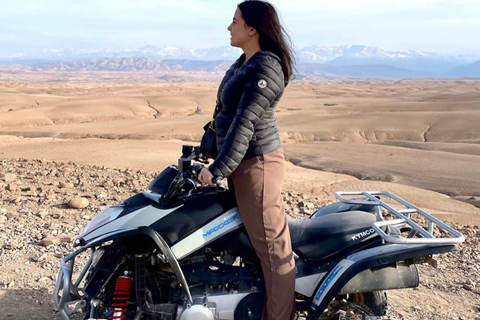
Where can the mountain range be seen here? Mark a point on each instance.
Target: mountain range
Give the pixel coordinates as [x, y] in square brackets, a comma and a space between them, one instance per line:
[347, 61]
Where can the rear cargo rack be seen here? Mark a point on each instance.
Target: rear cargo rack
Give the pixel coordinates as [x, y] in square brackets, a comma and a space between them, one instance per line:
[417, 234]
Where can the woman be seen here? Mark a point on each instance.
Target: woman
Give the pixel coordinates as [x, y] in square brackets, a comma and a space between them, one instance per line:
[250, 152]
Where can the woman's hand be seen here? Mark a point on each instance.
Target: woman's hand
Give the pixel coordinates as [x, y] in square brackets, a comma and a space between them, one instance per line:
[206, 177]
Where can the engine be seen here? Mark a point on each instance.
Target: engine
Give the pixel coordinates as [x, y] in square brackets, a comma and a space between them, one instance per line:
[221, 288]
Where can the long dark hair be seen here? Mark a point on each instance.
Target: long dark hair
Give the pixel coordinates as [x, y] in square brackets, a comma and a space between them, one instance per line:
[263, 17]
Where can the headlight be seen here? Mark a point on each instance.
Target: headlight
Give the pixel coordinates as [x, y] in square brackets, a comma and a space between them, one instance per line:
[107, 215]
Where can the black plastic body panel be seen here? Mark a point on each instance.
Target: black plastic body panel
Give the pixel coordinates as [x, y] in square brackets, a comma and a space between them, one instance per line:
[162, 181]
[196, 211]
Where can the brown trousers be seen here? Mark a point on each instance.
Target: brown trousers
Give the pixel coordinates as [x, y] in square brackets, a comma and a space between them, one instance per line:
[258, 184]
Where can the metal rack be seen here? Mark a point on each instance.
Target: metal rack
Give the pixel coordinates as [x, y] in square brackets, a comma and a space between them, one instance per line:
[417, 235]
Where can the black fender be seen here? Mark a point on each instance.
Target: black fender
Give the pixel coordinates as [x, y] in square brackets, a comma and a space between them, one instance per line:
[374, 258]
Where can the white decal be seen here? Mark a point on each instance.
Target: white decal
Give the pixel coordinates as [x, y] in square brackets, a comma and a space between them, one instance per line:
[363, 234]
[211, 231]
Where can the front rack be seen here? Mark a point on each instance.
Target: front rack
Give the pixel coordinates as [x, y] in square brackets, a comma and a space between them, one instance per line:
[417, 235]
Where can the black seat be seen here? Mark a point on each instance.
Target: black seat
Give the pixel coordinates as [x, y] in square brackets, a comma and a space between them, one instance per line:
[323, 236]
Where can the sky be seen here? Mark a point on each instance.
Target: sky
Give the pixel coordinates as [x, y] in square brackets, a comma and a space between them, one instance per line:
[449, 27]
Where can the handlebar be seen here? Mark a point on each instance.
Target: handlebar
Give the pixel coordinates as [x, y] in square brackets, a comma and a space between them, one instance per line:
[187, 178]
[197, 168]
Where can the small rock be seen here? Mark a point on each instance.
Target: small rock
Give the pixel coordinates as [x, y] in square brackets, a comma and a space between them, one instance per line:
[305, 210]
[470, 282]
[44, 188]
[40, 258]
[12, 187]
[117, 181]
[42, 214]
[310, 206]
[43, 279]
[12, 245]
[468, 287]
[11, 284]
[56, 215]
[11, 215]
[78, 203]
[17, 199]
[65, 238]
[8, 177]
[66, 170]
[49, 240]
[101, 196]
[50, 194]
[66, 185]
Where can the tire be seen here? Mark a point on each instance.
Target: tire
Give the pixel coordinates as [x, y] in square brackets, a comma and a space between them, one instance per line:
[375, 301]
[365, 303]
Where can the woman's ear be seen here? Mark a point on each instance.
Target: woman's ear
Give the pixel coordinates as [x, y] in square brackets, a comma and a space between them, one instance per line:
[252, 31]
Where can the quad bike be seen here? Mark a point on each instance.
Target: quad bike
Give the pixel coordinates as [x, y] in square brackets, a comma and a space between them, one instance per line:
[181, 252]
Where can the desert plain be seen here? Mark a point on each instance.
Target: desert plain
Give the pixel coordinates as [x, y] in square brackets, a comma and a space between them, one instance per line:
[419, 139]
[417, 136]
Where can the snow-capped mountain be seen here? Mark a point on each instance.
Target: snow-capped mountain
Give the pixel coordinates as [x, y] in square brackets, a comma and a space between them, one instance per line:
[360, 53]
[152, 52]
[368, 55]
[339, 55]
[347, 61]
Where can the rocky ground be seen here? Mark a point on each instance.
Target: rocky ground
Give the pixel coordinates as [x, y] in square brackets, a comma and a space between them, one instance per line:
[44, 204]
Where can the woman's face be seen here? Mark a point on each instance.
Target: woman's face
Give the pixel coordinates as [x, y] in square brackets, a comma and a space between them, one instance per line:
[239, 31]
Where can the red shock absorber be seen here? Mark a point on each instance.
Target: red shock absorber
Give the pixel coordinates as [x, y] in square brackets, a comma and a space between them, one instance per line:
[120, 297]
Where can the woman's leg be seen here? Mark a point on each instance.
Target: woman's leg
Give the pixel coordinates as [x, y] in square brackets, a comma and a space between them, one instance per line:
[258, 186]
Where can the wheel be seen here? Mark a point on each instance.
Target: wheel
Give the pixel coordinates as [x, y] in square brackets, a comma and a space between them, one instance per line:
[358, 306]
[375, 301]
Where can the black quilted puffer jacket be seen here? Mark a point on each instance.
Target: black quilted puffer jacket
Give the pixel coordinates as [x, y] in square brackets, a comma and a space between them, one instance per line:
[245, 114]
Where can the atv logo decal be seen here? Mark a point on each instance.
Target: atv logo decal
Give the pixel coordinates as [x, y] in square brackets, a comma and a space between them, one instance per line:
[331, 279]
[363, 234]
[262, 83]
[221, 225]
[327, 281]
